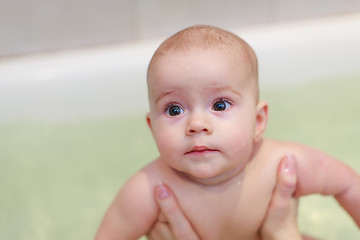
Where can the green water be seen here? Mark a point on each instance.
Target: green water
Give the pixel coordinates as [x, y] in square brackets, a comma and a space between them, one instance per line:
[56, 180]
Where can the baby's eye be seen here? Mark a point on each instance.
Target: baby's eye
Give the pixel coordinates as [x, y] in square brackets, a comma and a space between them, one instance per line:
[174, 110]
[221, 105]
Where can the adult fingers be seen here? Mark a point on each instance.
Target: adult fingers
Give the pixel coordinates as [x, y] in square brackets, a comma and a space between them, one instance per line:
[160, 231]
[281, 219]
[179, 224]
[285, 186]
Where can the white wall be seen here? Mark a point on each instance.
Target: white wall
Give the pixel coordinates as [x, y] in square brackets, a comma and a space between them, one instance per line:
[38, 25]
[111, 80]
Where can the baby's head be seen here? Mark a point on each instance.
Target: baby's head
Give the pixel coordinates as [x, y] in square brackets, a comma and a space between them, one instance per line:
[202, 38]
[204, 110]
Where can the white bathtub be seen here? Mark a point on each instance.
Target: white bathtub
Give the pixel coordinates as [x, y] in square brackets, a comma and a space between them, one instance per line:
[110, 80]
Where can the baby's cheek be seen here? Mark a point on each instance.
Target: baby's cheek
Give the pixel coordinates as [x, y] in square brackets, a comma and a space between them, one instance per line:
[166, 143]
[241, 143]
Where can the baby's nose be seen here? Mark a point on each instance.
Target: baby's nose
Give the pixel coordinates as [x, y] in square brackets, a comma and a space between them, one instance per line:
[198, 124]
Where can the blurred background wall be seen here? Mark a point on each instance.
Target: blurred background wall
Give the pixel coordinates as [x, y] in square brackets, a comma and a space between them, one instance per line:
[42, 25]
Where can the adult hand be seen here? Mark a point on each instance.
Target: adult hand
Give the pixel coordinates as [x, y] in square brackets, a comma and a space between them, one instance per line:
[172, 223]
[279, 224]
[281, 219]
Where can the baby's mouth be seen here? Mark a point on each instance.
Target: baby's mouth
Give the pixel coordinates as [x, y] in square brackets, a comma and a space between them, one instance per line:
[201, 150]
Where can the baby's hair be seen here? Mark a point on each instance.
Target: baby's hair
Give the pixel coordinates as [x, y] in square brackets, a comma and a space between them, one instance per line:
[203, 37]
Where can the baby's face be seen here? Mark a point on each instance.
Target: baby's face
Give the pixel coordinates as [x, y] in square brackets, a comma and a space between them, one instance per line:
[203, 112]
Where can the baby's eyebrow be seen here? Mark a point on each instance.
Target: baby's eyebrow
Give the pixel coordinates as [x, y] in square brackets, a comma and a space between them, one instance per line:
[163, 95]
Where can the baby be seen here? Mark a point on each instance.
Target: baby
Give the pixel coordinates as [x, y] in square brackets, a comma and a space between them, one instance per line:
[207, 121]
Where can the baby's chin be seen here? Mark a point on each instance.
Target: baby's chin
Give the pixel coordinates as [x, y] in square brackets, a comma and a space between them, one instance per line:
[209, 176]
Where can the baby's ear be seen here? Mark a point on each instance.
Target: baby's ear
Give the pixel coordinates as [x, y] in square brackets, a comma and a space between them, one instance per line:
[261, 120]
[148, 120]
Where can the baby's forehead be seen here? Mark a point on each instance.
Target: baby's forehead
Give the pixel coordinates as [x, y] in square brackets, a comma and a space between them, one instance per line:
[234, 60]
[210, 66]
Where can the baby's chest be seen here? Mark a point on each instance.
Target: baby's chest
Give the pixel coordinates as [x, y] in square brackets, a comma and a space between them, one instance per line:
[227, 214]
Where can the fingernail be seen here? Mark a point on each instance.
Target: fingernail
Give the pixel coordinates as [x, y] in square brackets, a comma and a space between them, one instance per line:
[161, 191]
[289, 164]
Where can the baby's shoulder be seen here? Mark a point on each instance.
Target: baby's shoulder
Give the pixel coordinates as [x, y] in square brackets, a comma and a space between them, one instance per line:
[275, 148]
[157, 171]
[270, 151]
[152, 174]
[140, 185]
[134, 205]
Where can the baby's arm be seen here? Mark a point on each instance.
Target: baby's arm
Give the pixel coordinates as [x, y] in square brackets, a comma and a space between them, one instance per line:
[321, 173]
[132, 212]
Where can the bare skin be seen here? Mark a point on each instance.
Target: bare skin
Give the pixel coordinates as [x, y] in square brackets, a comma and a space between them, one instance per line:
[279, 224]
